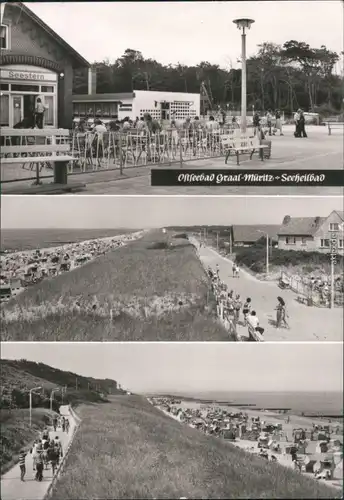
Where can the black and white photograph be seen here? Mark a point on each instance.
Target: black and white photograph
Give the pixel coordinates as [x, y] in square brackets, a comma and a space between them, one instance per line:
[160, 420]
[171, 250]
[172, 269]
[197, 85]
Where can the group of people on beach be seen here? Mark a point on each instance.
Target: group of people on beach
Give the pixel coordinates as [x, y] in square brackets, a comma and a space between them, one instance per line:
[45, 450]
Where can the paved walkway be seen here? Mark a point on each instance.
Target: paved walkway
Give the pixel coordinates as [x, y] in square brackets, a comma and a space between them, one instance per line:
[318, 151]
[306, 323]
[12, 488]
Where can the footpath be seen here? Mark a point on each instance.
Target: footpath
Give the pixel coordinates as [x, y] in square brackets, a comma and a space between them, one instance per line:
[306, 323]
[12, 488]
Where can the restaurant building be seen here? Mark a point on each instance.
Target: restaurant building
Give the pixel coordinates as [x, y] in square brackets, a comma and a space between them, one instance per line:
[35, 62]
[162, 106]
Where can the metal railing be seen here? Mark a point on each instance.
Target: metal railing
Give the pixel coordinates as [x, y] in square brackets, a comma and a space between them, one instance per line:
[95, 152]
[315, 296]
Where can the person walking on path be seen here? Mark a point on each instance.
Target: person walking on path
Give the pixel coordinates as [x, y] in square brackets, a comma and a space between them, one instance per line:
[58, 449]
[53, 456]
[39, 463]
[55, 423]
[302, 123]
[34, 453]
[246, 309]
[297, 116]
[22, 465]
[67, 425]
[278, 121]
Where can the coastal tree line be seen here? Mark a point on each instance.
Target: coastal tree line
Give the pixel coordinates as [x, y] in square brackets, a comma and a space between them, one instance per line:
[284, 76]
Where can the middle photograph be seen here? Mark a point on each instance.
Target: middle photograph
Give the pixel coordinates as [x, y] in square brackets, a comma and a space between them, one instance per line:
[170, 269]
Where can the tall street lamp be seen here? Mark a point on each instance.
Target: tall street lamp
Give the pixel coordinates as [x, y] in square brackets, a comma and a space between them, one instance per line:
[243, 24]
[30, 401]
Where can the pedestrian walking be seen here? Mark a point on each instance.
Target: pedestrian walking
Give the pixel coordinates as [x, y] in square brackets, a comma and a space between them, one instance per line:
[237, 308]
[53, 456]
[55, 423]
[297, 117]
[45, 444]
[58, 449]
[302, 123]
[246, 309]
[22, 465]
[63, 424]
[67, 425]
[39, 463]
[278, 121]
[33, 451]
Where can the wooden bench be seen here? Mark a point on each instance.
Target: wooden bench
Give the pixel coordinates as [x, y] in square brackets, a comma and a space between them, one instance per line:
[332, 125]
[50, 147]
[245, 144]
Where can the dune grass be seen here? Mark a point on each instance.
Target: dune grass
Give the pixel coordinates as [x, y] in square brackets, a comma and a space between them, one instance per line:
[129, 449]
[151, 289]
[16, 433]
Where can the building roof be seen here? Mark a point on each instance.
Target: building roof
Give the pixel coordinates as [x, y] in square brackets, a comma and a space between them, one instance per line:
[301, 226]
[77, 58]
[340, 214]
[247, 233]
[103, 97]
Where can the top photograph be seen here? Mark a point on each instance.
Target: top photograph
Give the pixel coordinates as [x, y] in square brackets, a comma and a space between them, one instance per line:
[169, 98]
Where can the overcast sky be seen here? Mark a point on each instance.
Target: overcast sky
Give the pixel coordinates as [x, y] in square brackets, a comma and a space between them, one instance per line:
[190, 32]
[83, 212]
[148, 367]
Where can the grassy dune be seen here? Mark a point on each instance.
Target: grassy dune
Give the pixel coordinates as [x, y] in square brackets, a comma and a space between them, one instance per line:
[17, 434]
[155, 288]
[31, 239]
[128, 449]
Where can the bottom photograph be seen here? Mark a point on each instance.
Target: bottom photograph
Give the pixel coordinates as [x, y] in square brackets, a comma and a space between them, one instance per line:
[162, 420]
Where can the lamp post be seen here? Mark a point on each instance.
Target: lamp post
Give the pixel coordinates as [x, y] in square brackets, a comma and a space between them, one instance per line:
[243, 24]
[52, 397]
[30, 401]
[267, 249]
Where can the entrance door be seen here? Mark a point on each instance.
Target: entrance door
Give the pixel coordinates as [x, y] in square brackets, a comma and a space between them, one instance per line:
[29, 109]
[17, 109]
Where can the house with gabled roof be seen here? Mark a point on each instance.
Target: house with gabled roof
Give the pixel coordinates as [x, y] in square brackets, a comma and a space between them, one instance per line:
[313, 234]
[35, 62]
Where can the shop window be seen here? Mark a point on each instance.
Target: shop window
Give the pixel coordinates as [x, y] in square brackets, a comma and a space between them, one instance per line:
[82, 109]
[47, 88]
[113, 109]
[106, 110]
[4, 86]
[4, 37]
[76, 109]
[16, 87]
[99, 110]
[90, 110]
[4, 110]
[49, 110]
